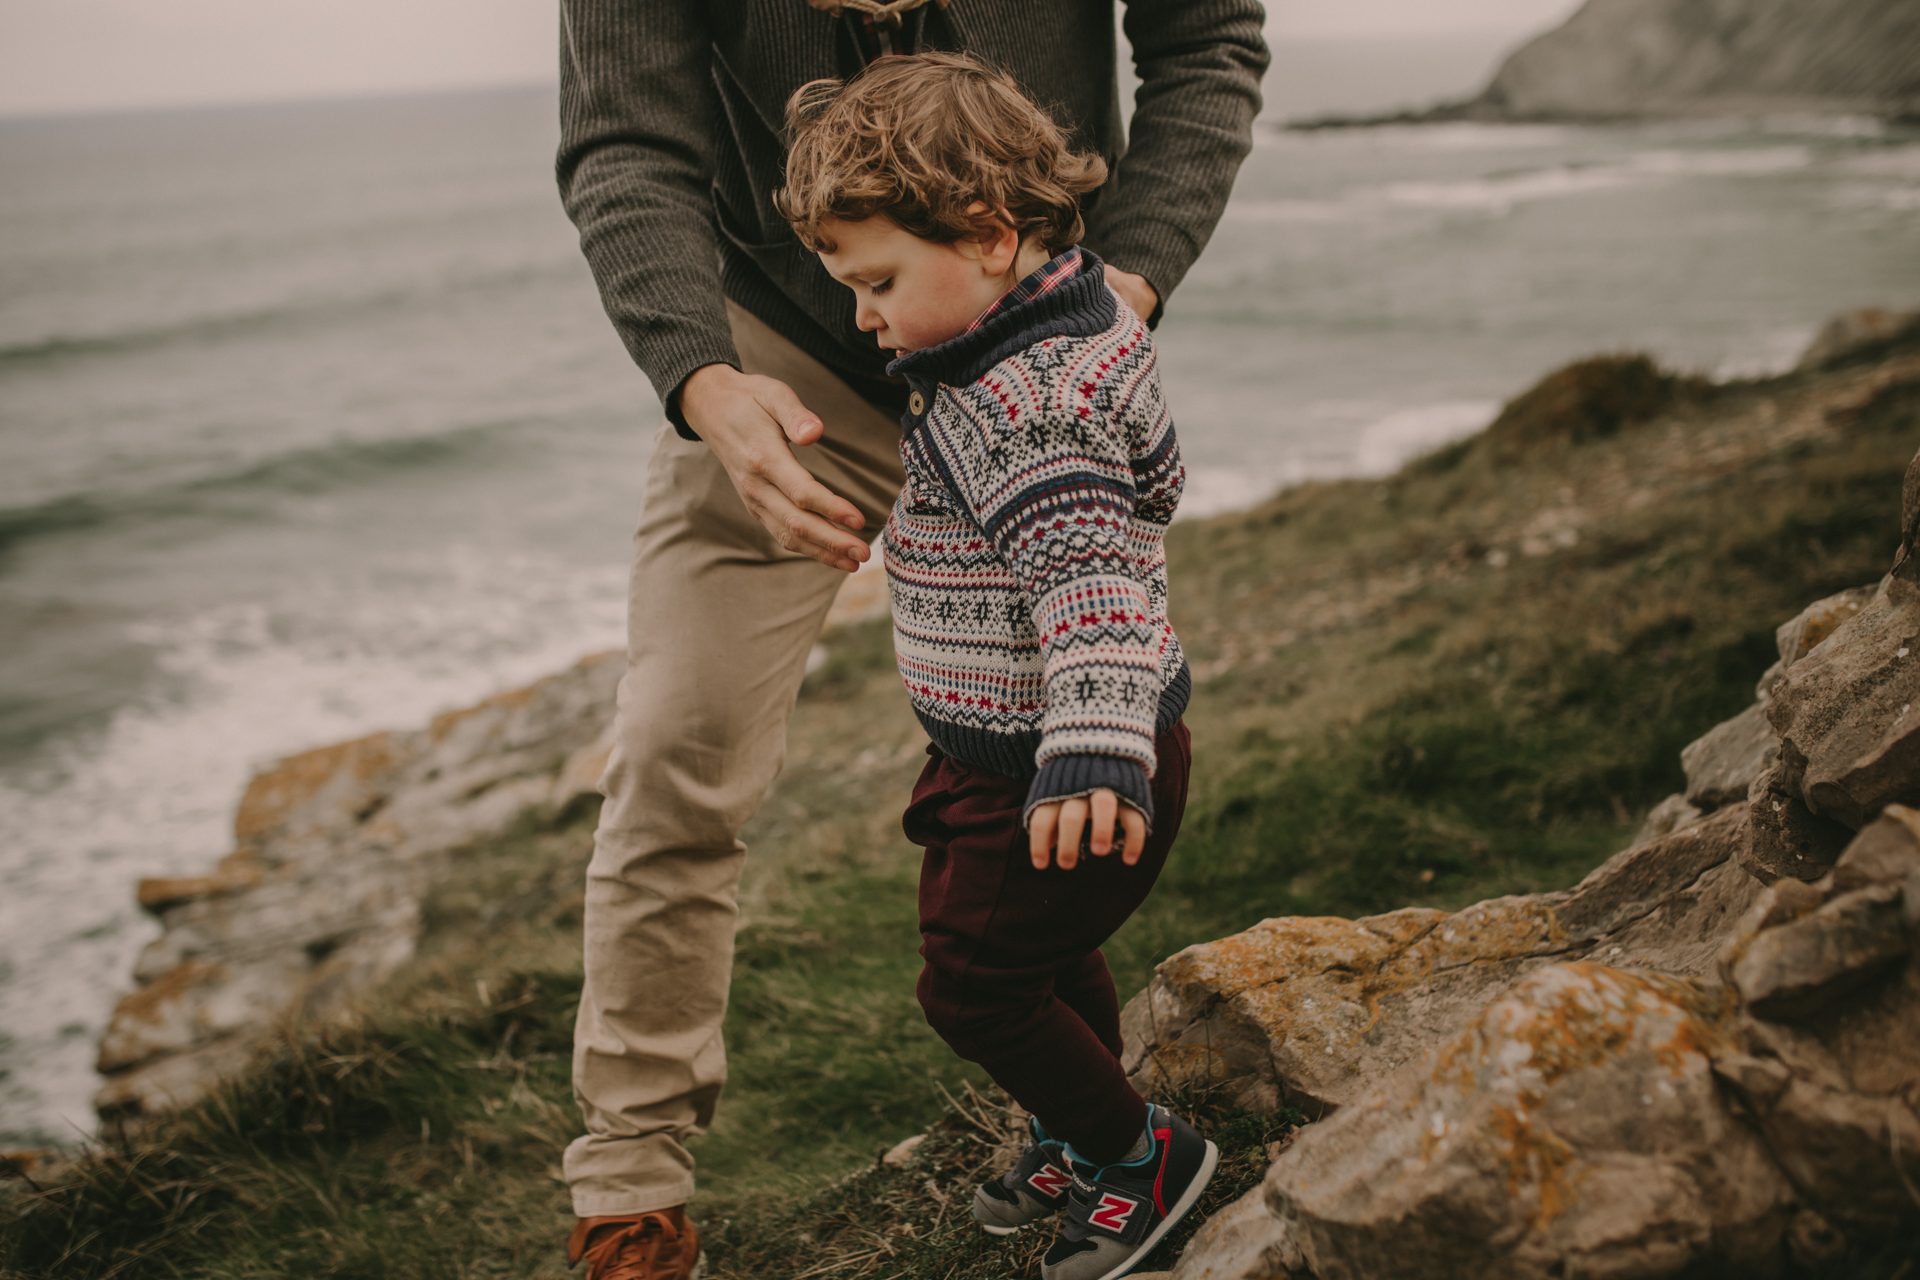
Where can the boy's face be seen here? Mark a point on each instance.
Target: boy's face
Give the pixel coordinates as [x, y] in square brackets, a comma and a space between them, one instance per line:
[912, 293]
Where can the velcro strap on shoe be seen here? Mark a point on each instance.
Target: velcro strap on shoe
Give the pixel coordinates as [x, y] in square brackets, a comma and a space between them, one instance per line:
[1114, 1213]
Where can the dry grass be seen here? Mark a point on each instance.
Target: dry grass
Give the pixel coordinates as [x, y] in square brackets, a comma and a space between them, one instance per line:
[914, 1222]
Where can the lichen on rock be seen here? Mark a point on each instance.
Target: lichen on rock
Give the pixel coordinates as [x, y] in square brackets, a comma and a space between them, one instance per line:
[1572, 1128]
[1307, 1012]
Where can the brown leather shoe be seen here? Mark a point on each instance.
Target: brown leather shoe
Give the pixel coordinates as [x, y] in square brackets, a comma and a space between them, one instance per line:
[639, 1246]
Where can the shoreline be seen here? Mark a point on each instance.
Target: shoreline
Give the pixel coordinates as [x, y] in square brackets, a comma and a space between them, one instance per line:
[1752, 112]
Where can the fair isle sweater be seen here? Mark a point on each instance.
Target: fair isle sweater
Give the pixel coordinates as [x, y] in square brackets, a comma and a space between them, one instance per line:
[1025, 555]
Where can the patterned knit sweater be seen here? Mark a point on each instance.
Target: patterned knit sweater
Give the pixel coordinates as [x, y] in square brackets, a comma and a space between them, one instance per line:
[1025, 554]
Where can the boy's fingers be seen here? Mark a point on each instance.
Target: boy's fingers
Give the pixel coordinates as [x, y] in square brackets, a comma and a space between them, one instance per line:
[1100, 839]
[1134, 824]
[1073, 818]
[1040, 836]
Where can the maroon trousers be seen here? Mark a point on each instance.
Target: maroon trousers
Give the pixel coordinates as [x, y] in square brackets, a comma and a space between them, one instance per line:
[1014, 978]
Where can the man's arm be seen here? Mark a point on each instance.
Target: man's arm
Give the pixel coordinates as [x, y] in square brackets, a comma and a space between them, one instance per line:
[638, 119]
[1200, 63]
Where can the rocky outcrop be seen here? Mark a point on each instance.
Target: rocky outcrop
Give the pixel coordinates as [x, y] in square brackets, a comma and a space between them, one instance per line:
[1618, 59]
[1721, 766]
[320, 898]
[1849, 733]
[1704, 1059]
[1312, 1012]
[1598, 1120]
[1572, 1128]
[333, 850]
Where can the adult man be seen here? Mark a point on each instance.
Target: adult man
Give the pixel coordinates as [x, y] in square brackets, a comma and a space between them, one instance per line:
[669, 157]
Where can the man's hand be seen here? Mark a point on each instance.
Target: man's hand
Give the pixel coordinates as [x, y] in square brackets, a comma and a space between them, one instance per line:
[1066, 818]
[1134, 291]
[751, 423]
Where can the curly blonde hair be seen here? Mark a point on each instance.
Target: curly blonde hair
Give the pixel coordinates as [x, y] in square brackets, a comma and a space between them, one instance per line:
[921, 139]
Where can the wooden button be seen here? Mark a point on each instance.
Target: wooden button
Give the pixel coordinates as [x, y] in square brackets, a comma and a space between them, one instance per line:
[917, 403]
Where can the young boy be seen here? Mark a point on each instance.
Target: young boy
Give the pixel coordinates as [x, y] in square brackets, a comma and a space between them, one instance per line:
[1028, 578]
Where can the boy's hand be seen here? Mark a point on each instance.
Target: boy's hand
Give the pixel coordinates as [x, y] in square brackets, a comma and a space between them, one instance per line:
[749, 421]
[1065, 819]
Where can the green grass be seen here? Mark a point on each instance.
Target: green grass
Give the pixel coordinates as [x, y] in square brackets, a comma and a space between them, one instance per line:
[1417, 691]
[374, 1152]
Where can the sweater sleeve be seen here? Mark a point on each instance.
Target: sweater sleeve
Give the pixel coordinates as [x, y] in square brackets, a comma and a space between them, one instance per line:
[1055, 494]
[638, 116]
[1199, 65]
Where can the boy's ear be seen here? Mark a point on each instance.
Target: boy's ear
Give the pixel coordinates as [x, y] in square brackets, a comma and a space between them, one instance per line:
[1005, 250]
[996, 248]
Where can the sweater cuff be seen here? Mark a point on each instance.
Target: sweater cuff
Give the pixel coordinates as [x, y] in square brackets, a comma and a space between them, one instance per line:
[1066, 777]
[671, 401]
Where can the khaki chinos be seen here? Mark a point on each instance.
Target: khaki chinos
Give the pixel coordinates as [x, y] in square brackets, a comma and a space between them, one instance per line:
[719, 623]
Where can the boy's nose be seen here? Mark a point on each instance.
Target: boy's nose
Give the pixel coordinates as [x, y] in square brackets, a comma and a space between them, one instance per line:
[867, 318]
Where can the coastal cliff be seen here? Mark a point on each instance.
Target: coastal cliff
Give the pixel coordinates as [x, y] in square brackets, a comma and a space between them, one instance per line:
[320, 899]
[1621, 59]
[335, 850]
[1661, 1036]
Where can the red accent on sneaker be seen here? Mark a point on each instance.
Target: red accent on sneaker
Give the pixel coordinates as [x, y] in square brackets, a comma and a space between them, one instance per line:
[1165, 1138]
[1049, 1181]
[1113, 1212]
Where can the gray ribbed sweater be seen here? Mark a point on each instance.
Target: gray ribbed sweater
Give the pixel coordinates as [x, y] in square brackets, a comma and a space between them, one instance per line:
[670, 152]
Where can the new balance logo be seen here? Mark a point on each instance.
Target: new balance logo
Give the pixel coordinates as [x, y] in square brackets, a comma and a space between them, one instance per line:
[1112, 1212]
[1049, 1181]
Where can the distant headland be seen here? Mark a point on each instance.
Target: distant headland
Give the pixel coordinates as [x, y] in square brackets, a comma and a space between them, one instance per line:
[1653, 59]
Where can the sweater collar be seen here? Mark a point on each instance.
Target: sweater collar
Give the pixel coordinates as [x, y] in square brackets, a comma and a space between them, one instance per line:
[1065, 296]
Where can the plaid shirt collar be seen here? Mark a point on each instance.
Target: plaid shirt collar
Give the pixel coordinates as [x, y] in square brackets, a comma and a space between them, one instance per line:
[1045, 279]
[1067, 296]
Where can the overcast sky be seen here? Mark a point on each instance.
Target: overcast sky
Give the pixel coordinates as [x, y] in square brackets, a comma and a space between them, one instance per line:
[89, 55]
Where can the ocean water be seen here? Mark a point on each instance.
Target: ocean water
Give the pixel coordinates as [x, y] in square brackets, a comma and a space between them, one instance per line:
[310, 422]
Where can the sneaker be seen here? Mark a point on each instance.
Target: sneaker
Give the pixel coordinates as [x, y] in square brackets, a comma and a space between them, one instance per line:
[1034, 1188]
[1116, 1214]
[640, 1246]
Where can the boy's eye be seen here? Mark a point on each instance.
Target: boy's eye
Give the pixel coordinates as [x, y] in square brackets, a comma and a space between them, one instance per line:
[881, 287]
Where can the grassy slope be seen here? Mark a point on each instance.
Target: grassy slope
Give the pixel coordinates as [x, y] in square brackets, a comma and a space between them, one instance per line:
[1463, 681]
